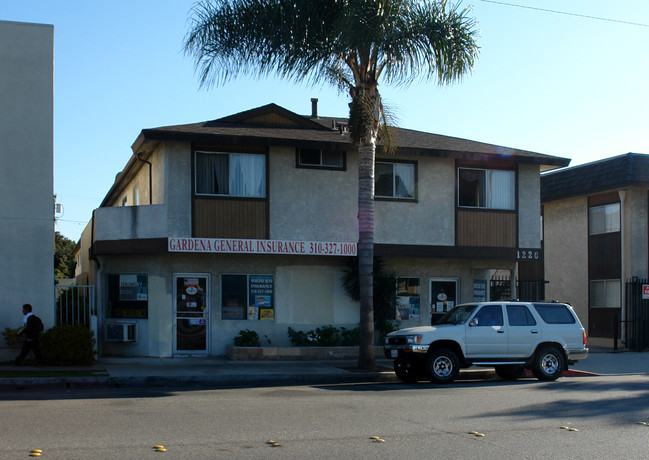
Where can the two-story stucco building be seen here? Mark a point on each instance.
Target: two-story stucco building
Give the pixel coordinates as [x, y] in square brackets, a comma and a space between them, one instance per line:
[596, 227]
[26, 173]
[243, 223]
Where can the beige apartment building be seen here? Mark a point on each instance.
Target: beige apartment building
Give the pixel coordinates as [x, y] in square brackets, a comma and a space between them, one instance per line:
[244, 222]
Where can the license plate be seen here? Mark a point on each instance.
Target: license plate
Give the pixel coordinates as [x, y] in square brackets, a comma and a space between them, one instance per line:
[394, 353]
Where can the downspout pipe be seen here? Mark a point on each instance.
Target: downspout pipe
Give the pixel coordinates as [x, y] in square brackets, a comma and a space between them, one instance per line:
[623, 262]
[139, 157]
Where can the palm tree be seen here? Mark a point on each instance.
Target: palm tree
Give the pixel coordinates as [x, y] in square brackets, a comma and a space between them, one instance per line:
[352, 44]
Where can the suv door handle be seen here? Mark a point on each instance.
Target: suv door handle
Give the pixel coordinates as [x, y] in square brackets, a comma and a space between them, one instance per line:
[534, 331]
[501, 331]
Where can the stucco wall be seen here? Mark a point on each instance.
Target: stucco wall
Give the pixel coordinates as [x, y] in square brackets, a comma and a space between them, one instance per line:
[26, 169]
[430, 220]
[635, 233]
[529, 206]
[311, 204]
[566, 253]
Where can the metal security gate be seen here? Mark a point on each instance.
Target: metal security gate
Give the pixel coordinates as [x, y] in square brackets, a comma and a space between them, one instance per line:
[76, 305]
[636, 316]
[530, 291]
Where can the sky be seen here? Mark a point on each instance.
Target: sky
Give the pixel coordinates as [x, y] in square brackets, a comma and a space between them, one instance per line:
[564, 78]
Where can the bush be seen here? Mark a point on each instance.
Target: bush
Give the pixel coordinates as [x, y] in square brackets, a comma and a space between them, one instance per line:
[65, 345]
[325, 336]
[11, 336]
[247, 338]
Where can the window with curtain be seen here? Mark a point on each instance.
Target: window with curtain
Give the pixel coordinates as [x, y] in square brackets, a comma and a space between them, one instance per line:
[394, 180]
[233, 174]
[486, 188]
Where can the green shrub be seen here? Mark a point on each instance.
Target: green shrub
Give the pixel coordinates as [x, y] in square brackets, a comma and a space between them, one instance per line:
[247, 338]
[11, 336]
[325, 336]
[65, 345]
[350, 337]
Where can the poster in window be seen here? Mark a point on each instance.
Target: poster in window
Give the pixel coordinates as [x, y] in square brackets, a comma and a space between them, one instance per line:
[408, 307]
[260, 295]
[127, 296]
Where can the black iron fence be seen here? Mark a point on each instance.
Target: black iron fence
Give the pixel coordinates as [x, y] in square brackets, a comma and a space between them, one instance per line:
[636, 318]
[501, 289]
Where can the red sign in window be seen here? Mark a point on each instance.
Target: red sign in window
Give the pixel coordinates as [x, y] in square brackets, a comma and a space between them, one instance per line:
[645, 291]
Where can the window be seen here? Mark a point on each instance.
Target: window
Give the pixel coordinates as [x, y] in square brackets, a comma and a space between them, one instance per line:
[127, 296]
[247, 297]
[394, 180]
[317, 158]
[408, 305]
[232, 174]
[604, 219]
[486, 188]
[554, 313]
[519, 315]
[605, 293]
[490, 315]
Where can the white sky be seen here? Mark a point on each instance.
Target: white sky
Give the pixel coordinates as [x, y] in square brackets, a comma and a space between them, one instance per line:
[552, 83]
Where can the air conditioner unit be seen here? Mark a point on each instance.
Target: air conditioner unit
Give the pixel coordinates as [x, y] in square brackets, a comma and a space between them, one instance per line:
[121, 332]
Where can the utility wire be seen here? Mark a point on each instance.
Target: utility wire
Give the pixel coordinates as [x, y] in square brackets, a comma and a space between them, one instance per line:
[566, 13]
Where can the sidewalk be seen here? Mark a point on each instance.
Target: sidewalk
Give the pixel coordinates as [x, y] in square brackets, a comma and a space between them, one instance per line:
[218, 372]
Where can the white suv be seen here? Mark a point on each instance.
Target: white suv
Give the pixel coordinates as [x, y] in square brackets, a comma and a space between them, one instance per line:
[510, 336]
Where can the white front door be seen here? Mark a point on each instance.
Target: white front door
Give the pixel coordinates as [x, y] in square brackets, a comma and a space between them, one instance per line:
[191, 318]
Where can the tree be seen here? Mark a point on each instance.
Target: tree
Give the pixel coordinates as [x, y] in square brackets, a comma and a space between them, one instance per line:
[352, 44]
[63, 258]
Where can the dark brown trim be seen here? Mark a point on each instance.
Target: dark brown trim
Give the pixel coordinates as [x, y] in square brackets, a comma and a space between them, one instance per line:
[603, 199]
[444, 252]
[138, 246]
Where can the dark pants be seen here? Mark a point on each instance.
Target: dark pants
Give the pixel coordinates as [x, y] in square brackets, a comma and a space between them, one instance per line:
[30, 345]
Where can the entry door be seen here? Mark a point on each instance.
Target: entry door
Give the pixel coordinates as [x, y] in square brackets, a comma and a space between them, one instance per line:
[191, 314]
[444, 295]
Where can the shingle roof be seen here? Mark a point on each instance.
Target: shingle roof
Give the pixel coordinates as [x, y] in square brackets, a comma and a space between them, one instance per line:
[622, 171]
[304, 130]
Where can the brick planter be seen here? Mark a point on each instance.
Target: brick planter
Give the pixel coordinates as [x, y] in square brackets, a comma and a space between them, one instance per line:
[294, 353]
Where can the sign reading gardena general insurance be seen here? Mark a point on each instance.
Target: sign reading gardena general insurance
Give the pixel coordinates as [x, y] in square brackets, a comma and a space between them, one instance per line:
[239, 246]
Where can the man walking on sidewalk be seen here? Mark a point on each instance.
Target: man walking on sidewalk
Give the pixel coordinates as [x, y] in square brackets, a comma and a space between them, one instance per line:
[32, 328]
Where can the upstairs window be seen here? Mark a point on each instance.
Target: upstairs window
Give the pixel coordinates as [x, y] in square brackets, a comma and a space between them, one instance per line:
[318, 158]
[231, 174]
[394, 180]
[604, 219]
[486, 188]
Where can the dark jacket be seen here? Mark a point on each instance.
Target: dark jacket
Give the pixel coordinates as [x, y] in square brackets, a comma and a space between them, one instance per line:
[33, 327]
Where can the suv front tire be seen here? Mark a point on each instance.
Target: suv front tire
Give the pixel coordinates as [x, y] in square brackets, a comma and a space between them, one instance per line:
[442, 366]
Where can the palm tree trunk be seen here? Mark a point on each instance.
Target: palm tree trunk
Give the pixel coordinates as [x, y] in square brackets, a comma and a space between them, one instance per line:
[366, 152]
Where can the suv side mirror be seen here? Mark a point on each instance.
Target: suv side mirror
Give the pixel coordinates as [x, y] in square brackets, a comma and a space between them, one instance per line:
[474, 322]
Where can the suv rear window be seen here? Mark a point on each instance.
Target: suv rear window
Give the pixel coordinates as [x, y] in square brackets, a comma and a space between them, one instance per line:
[554, 313]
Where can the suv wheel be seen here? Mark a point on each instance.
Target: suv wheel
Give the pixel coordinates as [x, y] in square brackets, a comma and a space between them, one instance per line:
[407, 370]
[510, 372]
[442, 366]
[548, 364]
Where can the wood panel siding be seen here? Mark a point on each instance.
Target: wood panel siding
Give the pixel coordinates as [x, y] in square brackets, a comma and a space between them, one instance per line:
[604, 256]
[603, 321]
[230, 218]
[486, 228]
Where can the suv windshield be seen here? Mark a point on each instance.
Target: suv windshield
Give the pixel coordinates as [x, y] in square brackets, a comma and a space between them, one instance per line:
[458, 315]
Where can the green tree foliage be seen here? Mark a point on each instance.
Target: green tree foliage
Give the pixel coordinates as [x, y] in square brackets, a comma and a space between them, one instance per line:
[63, 258]
[352, 44]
